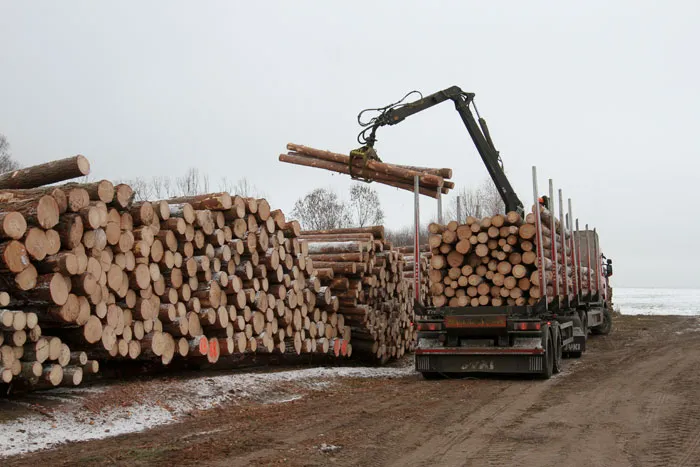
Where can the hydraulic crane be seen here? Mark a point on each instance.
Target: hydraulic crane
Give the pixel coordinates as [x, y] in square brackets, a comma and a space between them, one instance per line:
[479, 132]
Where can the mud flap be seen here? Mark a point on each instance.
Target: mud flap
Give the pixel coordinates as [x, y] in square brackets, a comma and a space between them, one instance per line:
[578, 346]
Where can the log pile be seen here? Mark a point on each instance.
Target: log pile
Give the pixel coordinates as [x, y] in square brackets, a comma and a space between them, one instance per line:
[431, 181]
[367, 276]
[409, 270]
[89, 276]
[493, 261]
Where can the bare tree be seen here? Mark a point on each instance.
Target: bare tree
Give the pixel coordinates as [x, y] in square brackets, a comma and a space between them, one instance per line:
[404, 236]
[7, 163]
[320, 210]
[189, 184]
[157, 186]
[365, 205]
[168, 187]
[243, 187]
[480, 201]
[491, 199]
[205, 183]
[142, 189]
[225, 184]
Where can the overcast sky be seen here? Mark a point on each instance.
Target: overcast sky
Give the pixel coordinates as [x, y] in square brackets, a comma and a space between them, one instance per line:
[601, 96]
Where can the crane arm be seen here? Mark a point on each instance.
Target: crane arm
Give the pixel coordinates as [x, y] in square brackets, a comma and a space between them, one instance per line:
[396, 113]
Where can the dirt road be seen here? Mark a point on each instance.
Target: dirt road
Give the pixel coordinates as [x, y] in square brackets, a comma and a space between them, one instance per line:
[634, 399]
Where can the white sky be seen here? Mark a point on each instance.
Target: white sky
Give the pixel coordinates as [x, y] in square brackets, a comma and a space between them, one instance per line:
[602, 96]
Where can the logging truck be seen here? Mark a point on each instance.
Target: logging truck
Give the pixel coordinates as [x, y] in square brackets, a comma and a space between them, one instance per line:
[522, 339]
[509, 293]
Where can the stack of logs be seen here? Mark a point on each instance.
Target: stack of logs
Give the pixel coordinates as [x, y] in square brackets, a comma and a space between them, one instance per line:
[409, 270]
[493, 261]
[431, 181]
[89, 276]
[367, 276]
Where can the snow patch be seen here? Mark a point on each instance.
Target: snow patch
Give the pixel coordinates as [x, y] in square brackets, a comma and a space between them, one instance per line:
[328, 447]
[36, 432]
[71, 421]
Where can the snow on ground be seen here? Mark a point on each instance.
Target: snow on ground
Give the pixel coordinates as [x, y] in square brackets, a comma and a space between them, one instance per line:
[690, 329]
[167, 400]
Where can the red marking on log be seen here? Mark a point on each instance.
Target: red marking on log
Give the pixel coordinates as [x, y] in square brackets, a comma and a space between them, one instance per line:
[203, 346]
[214, 351]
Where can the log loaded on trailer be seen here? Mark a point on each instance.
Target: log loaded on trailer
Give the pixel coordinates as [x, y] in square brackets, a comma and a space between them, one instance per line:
[510, 293]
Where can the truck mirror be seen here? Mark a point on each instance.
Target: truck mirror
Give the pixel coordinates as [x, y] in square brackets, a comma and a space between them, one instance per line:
[609, 261]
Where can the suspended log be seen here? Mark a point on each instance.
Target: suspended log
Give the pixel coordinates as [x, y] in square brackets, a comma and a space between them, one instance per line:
[297, 159]
[371, 165]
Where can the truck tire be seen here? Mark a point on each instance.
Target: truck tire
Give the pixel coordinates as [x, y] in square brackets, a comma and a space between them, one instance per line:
[431, 375]
[605, 328]
[548, 367]
[558, 354]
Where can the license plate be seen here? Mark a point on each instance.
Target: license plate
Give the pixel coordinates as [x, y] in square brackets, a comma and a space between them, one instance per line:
[475, 321]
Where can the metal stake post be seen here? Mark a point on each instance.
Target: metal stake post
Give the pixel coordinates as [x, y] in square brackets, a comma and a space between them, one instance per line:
[416, 239]
[563, 248]
[588, 256]
[597, 263]
[579, 265]
[574, 257]
[540, 250]
[459, 209]
[439, 205]
[553, 230]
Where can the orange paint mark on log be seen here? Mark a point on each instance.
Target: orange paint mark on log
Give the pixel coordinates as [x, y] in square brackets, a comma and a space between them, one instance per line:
[203, 346]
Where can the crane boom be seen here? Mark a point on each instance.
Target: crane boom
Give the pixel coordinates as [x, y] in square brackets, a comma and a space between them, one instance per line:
[396, 113]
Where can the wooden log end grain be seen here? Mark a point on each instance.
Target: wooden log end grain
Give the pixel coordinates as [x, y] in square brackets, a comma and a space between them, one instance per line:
[12, 225]
[44, 212]
[123, 195]
[13, 256]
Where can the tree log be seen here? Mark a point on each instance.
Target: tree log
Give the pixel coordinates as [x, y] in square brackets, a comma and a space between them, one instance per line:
[45, 174]
[298, 159]
[388, 170]
[42, 211]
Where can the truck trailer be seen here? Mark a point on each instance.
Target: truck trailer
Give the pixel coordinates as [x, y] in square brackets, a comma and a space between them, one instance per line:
[517, 339]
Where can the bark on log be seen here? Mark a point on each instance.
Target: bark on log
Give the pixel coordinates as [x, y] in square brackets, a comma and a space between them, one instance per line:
[42, 212]
[379, 167]
[211, 201]
[298, 159]
[45, 174]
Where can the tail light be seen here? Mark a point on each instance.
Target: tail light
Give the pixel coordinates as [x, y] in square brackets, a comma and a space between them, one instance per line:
[528, 326]
[430, 326]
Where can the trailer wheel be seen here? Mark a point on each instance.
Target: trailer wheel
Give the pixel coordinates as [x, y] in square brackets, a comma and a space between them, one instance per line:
[558, 354]
[431, 375]
[548, 359]
[605, 328]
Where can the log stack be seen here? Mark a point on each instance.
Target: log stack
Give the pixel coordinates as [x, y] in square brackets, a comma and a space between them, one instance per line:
[493, 261]
[90, 276]
[431, 181]
[409, 270]
[367, 275]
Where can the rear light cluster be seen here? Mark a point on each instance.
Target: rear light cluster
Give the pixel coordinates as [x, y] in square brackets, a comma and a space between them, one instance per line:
[430, 326]
[528, 326]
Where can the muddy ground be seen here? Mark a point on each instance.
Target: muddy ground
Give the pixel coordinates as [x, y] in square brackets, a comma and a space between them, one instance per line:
[633, 399]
